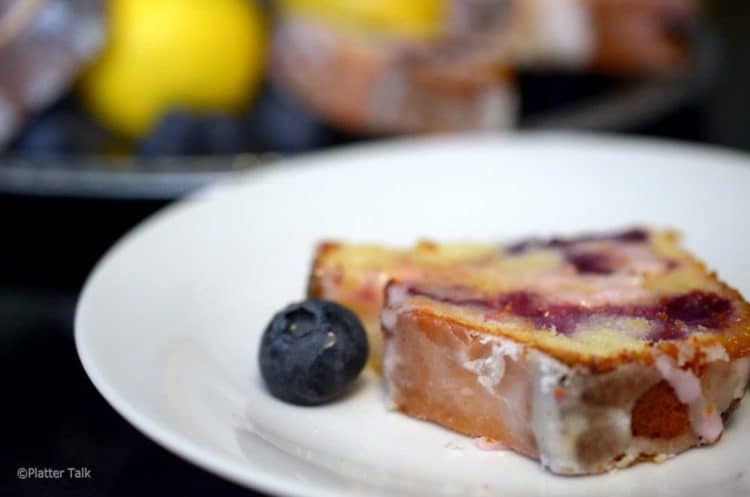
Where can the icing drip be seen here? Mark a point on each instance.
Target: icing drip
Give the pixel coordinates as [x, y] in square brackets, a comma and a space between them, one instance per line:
[489, 370]
[704, 417]
[484, 443]
[396, 295]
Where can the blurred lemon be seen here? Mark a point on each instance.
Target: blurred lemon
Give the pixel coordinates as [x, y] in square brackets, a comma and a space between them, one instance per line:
[204, 55]
[408, 18]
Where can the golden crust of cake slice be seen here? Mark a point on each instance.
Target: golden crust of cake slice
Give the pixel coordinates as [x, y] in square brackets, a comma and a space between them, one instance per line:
[586, 353]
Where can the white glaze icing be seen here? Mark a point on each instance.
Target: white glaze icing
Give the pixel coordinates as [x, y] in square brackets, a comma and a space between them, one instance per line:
[555, 433]
[497, 108]
[705, 418]
[305, 41]
[396, 296]
[565, 31]
[685, 384]
[715, 352]
[559, 32]
[508, 347]
[388, 95]
[388, 319]
[490, 369]
[390, 368]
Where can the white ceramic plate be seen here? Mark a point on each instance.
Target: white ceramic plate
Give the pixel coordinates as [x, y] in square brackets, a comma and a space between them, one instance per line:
[168, 324]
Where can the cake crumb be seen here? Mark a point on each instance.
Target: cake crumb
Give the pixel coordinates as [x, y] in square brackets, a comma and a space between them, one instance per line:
[486, 443]
[453, 445]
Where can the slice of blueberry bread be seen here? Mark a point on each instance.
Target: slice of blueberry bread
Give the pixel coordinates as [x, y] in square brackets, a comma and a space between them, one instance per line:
[588, 354]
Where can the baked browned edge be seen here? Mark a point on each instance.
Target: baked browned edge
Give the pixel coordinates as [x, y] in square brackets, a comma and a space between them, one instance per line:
[314, 286]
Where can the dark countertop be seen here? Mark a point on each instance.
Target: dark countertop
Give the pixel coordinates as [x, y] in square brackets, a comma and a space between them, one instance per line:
[54, 416]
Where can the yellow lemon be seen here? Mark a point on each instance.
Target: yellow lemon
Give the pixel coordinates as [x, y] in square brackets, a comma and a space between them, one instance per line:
[408, 18]
[196, 54]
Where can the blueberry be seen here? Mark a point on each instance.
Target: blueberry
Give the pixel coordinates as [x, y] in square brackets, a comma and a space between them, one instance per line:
[283, 124]
[62, 132]
[224, 135]
[590, 262]
[312, 351]
[174, 134]
[182, 132]
[46, 136]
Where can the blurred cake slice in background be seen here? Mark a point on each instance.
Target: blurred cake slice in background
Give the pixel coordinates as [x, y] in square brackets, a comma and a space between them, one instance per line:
[448, 65]
[644, 36]
[44, 44]
[393, 67]
[623, 37]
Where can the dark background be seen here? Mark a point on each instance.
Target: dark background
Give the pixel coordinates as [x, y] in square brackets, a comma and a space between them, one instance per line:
[53, 415]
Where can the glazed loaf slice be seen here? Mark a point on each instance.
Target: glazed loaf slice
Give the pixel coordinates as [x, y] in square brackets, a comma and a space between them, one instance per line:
[588, 354]
[462, 77]
[376, 85]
